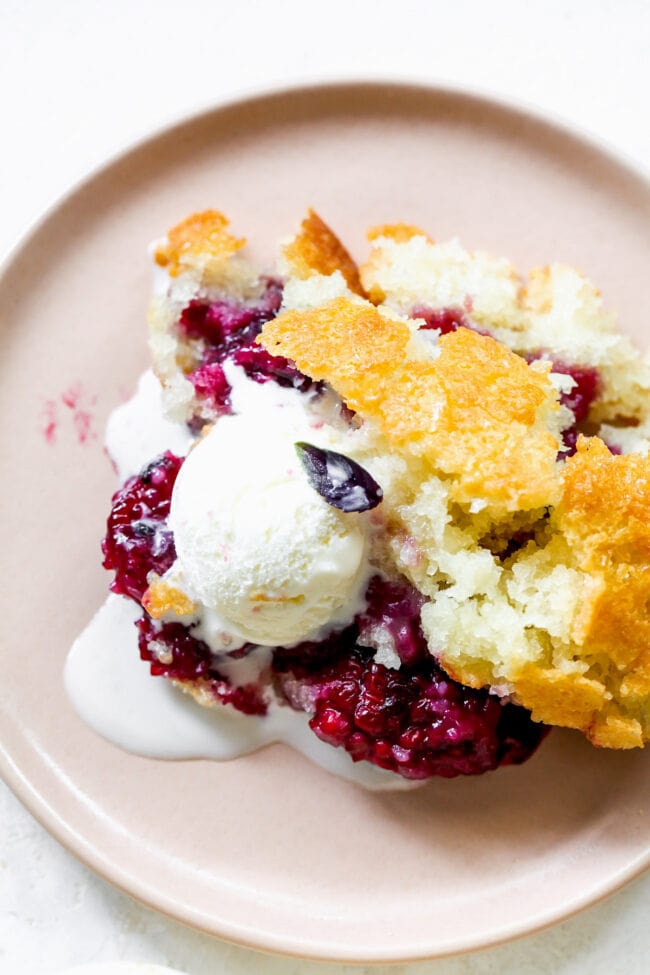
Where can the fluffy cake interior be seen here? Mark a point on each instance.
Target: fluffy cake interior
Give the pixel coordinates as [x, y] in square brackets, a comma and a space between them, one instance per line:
[536, 569]
[556, 310]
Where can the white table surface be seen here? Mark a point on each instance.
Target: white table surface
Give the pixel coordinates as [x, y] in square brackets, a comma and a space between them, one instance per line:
[79, 80]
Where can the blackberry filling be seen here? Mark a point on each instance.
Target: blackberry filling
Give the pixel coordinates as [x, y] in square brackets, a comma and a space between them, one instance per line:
[394, 608]
[579, 399]
[137, 539]
[414, 721]
[173, 652]
[211, 386]
[444, 320]
[227, 330]
[229, 324]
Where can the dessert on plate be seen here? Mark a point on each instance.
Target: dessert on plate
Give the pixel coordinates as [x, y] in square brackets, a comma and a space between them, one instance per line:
[407, 504]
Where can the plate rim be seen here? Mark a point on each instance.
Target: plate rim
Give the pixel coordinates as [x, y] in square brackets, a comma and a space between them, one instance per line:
[37, 804]
[275, 89]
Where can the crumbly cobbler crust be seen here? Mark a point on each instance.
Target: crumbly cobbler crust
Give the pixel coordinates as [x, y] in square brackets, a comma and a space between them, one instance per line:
[464, 433]
[201, 242]
[477, 413]
[317, 250]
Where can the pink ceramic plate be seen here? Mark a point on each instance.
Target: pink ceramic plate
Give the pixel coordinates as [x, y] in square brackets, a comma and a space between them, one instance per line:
[269, 850]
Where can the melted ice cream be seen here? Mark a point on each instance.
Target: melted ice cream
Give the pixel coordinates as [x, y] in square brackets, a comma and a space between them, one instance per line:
[111, 687]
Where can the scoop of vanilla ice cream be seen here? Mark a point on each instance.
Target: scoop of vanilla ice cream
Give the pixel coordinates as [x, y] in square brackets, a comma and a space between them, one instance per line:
[255, 543]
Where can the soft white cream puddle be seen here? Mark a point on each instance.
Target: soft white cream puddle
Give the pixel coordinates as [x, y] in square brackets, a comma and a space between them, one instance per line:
[137, 431]
[111, 687]
[113, 692]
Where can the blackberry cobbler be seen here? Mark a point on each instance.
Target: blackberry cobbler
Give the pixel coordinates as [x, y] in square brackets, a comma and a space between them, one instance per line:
[415, 505]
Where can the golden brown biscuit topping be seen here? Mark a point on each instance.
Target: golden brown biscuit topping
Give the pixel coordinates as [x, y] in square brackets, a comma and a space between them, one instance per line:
[161, 597]
[317, 250]
[467, 416]
[199, 241]
[399, 232]
[477, 412]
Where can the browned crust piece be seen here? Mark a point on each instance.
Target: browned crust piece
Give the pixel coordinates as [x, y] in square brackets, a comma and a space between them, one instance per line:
[200, 241]
[477, 412]
[317, 250]
[401, 233]
[604, 516]
[161, 597]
